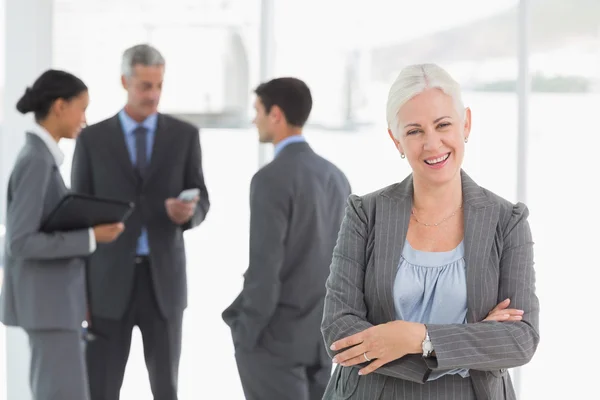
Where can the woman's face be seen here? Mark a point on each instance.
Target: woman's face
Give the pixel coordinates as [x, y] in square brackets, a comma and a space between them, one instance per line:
[432, 134]
[71, 114]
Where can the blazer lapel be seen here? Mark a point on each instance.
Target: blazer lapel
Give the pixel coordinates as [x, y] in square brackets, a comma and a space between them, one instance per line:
[42, 150]
[160, 147]
[119, 146]
[393, 215]
[480, 220]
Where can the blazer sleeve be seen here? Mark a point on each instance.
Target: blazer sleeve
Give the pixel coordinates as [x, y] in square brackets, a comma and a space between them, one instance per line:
[345, 310]
[496, 345]
[28, 187]
[195, 179]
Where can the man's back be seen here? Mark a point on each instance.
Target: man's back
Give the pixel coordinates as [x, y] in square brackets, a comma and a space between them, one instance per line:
[315, 192]
[296, 208]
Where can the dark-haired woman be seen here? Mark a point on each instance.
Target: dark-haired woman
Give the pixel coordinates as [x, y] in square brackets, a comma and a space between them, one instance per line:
[44, 286]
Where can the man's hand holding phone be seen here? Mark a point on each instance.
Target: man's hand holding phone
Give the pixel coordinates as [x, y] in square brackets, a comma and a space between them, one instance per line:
[181, 209]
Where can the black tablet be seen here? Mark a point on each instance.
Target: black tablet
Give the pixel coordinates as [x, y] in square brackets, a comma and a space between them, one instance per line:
[79, 211]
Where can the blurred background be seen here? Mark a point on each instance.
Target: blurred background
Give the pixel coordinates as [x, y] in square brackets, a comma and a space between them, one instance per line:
[349, 52]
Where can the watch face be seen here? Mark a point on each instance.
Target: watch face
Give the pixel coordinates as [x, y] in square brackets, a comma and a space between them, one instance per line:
[428, 346]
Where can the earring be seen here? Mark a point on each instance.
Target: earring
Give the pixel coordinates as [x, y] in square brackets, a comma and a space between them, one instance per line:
[466, 140]
[402, 155]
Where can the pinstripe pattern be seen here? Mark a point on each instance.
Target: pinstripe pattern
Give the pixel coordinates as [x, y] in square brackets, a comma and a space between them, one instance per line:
[499, 258]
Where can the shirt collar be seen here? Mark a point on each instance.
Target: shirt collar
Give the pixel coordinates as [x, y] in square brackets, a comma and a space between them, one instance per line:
[129, 124]
[50, 143]
[288, 140]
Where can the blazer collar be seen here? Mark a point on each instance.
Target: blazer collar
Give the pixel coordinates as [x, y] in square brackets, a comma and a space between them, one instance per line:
[473, 194]
[49, 142]
[293, 148]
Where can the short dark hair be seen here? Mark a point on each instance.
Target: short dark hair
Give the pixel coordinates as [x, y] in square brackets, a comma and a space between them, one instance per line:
[49, 87]
[291, 95]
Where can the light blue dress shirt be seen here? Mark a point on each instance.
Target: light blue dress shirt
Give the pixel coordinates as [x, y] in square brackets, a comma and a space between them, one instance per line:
[129, 125]
[288, 140]
[431, 288]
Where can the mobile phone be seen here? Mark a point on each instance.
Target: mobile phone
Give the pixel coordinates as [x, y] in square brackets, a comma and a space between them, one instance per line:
[189, 195]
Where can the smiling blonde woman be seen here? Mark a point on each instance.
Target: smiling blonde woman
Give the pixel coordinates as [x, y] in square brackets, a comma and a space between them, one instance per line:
[431, 292]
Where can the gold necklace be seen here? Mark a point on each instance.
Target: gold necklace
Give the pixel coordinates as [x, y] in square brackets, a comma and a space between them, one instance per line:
[439, 223]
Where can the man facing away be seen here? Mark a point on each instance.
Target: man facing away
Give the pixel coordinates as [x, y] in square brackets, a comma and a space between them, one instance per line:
[297, 204]
[149, 158]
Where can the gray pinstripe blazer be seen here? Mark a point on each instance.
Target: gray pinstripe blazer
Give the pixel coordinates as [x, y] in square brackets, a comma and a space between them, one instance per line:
[499, 258]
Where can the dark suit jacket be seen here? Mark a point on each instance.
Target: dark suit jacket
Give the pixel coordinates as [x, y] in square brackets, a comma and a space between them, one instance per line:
[102, 167]
[297, 205]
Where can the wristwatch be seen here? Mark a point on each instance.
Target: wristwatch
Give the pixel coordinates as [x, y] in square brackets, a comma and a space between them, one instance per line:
[427, 345]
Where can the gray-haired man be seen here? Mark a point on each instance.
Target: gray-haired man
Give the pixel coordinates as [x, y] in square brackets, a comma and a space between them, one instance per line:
[148, 158]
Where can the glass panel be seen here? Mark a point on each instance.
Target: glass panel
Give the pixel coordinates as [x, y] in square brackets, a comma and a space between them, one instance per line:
[562, 181]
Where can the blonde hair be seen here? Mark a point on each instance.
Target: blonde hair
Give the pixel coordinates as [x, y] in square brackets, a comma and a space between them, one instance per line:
[415, 79]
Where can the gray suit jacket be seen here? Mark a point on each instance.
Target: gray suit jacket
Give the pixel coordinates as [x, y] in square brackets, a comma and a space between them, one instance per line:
[499, 258]
[297, 205]
[44, 283]
[102, 167]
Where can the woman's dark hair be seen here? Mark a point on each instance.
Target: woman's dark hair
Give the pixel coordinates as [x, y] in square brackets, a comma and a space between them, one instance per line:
[49, 87]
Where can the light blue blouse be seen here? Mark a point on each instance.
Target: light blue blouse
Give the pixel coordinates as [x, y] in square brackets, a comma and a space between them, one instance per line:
[431, 288]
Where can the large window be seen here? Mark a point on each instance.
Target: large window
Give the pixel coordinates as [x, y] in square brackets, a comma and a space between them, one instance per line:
[566, 96]
[350, 66]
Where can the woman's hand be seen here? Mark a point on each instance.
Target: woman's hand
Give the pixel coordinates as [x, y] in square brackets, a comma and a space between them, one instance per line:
[380, 345]
[501, 313]
[107, 233]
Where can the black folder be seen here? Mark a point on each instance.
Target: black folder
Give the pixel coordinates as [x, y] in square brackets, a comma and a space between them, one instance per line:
[79, 211]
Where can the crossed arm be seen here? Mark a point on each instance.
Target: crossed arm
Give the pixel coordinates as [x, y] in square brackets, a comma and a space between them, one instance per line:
[395, 346]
